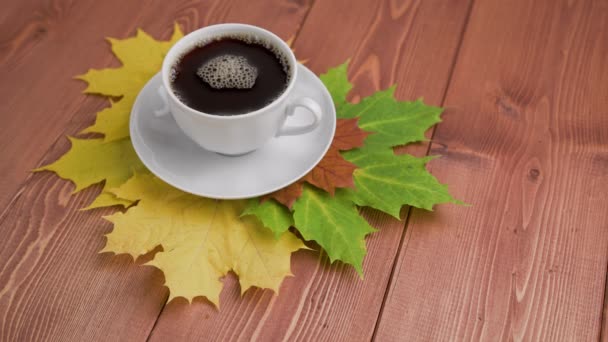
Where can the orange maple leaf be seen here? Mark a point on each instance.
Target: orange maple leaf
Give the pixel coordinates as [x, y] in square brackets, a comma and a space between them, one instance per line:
[333, 171]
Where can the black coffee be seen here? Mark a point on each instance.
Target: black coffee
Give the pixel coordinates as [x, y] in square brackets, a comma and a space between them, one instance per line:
[230, 76]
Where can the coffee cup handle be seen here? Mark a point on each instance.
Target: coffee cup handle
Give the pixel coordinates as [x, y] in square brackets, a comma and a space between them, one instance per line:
[312, 106]
[164, 97]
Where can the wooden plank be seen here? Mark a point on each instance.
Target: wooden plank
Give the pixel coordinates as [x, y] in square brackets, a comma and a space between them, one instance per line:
[53, 284]
[45, 43]
[525, 142]
[412, 44]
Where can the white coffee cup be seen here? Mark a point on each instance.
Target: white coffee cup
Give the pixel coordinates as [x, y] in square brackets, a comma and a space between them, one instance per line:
[243, 133]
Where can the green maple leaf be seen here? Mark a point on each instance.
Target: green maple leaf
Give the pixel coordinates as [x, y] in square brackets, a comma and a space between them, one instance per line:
[334, 223]
[393, 122]
[386, 182]
[273, 215]
[336, 80]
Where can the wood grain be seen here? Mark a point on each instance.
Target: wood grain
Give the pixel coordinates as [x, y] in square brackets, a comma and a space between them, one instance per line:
[525, 142]
[53, 284]
[411, 43]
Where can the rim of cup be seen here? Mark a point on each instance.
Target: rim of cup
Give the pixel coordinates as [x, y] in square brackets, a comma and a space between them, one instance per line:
[183, 45]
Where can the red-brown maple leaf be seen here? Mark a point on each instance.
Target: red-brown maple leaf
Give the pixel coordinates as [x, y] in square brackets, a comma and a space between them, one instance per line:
[333, 171]
[348, 135]
[286, 196]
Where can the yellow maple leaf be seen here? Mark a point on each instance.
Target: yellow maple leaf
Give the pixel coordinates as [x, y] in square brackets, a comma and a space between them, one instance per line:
[112, 158]
[106, 199]
[141, 58]
[202, 240]
[90, 161]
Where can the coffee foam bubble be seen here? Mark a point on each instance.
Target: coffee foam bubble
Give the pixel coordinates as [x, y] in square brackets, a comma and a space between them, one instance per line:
[228, 72]
[245, 37]
[172, 74]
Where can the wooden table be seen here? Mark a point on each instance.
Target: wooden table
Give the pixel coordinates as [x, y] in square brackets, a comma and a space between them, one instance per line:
[524, 139]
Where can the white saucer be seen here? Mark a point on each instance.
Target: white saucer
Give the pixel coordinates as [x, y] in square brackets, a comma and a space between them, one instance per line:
[179, 161]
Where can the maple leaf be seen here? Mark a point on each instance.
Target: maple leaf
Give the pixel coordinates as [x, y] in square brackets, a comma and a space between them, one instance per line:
[273, 215]
[348, 134]
[90, 161]
[106, 199]
[286, 196]
[202, 240]
[333, 171]
[113, 158]
[393, 122]
[386, 181]
[141, 58]
[336, 81]
[334, 223]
